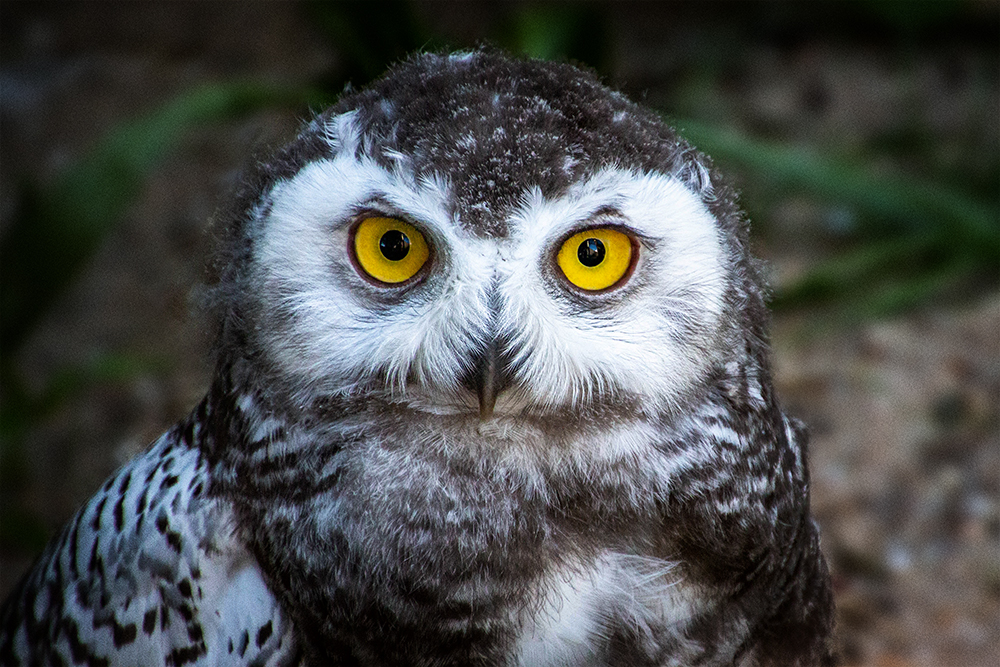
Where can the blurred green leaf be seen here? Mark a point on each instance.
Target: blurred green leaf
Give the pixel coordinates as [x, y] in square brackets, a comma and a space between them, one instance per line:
[920, 204]
[60, 224]
[942, 238]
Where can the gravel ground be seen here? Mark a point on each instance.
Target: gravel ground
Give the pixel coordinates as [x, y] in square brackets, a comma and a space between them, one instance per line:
[904, 411]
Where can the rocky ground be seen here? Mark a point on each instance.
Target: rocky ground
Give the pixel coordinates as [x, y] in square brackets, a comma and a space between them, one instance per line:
[904, 410]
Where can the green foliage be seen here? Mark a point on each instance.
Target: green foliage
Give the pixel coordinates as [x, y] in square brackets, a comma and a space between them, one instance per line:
[60, 224]
[934, 240]
[922, 205]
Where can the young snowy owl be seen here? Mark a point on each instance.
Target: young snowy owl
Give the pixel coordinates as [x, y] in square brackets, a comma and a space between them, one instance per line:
[492, 388]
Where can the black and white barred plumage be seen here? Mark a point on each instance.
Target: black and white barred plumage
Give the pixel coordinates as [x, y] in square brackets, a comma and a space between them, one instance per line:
[482, 463]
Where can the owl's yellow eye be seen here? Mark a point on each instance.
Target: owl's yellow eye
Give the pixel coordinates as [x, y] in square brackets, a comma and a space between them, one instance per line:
[595, 259]
[389, 250]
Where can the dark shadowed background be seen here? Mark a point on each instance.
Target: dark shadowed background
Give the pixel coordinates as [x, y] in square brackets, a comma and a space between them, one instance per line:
[864, 137]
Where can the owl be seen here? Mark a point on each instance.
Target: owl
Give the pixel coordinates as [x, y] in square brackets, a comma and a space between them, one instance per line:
[491, 387]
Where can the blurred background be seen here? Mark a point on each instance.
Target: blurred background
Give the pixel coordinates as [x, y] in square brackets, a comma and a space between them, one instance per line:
[863, 136]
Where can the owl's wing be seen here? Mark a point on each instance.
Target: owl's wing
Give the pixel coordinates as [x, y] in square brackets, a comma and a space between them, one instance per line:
[148, 573]
[800, 600]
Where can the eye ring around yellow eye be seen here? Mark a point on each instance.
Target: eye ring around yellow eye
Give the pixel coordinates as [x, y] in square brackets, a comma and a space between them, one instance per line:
[596, 259]
[388, 250]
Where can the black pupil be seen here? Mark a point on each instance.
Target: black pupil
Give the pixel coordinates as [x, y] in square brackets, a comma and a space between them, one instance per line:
[394, 245]
[591, 252]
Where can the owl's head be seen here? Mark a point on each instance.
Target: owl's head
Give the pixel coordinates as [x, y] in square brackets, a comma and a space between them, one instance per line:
[485, 236]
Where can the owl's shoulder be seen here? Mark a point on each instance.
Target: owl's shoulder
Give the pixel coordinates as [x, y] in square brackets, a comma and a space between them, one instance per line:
[148, 572]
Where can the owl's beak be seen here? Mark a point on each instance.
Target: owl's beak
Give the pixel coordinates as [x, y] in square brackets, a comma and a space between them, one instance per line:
[489, 377]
